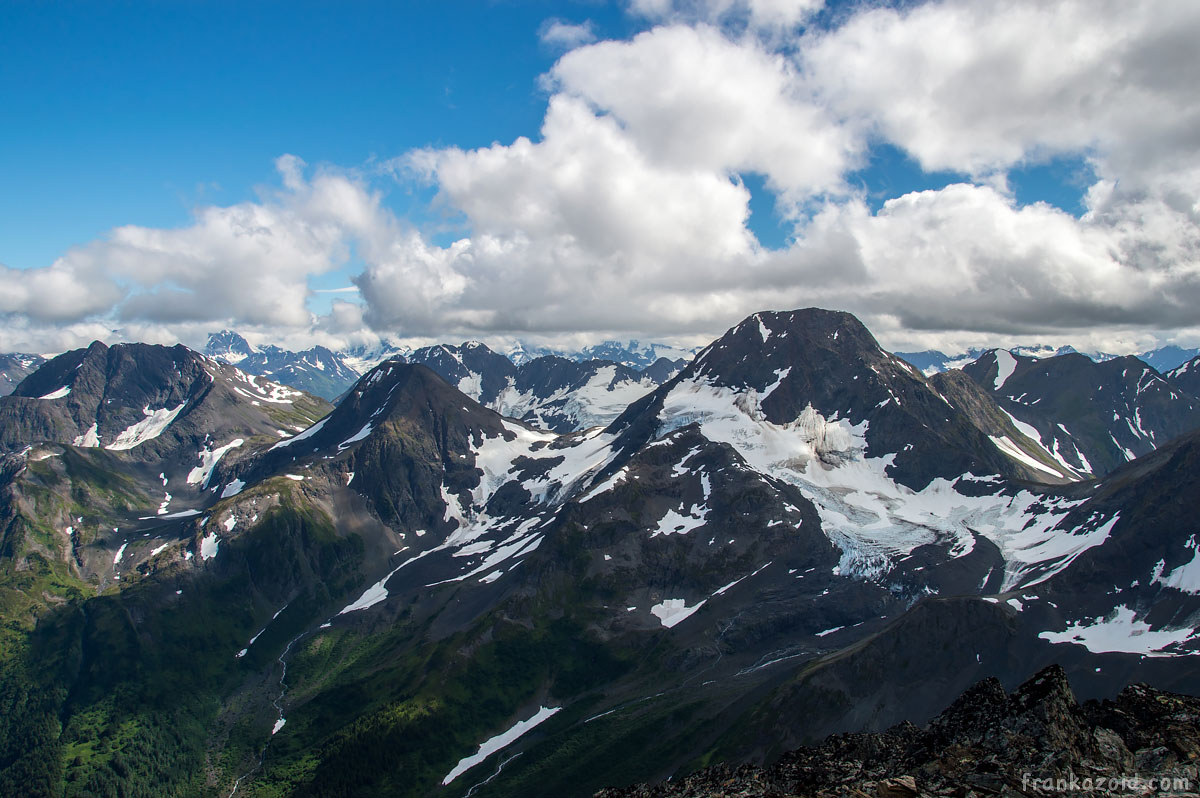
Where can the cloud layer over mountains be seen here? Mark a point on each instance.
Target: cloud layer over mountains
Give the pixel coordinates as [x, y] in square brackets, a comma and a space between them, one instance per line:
[628, 211]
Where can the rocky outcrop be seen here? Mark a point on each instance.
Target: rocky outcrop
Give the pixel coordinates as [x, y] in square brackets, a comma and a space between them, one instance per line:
[1036, 741]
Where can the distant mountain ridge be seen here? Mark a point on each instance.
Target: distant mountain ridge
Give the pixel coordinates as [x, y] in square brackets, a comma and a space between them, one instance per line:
[549, 391]
[932, 361]
[317, 370]
[1089, 416]
[329, 374]
[16, 367]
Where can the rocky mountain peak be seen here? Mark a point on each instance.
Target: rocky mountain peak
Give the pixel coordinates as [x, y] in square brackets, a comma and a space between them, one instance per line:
[228, 345]
[986, 742]
[811, 370]
[751, 353]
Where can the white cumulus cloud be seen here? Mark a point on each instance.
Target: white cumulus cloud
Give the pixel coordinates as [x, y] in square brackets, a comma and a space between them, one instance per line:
[629, 209]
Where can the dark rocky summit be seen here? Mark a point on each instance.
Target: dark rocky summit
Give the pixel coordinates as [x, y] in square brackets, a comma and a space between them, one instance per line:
[1036, 741]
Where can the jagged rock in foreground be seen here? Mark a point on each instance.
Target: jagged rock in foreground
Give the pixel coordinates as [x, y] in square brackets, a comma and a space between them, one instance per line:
[986, 743]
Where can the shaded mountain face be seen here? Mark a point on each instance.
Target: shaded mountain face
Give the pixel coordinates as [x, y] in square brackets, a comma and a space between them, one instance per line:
[1166, 358]
[1186, 377]
[1091, 417]
[933, 361]
[228, 347]
[998, 740]
[796, 535]
[127, 436]
[16, 367]
[563, 395]
[109, 453]
[509, 383]
[318, 371]
[148, 400]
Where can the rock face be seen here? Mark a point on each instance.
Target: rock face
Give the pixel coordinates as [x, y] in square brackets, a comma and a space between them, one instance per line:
[1089, 417]
[986, 743]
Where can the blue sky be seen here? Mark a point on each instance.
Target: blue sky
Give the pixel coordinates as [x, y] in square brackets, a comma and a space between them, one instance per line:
[149, 114]
[136, 112]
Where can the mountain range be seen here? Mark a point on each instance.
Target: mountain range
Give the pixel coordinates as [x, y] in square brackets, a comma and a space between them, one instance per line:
[931, 361]
[476, 577]
[16, 367]
[330, 374]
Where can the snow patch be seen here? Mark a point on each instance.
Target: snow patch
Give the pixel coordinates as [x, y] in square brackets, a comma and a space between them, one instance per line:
[605, 486]
[1186, 577]
[208, 461]
[674, 611]
[1121, 632]
[762, 328]
[208, 546]
[89, 439]
[674, 523]
[308, 433]
[147, 429]
[233, 489]
[182, 514]
[1005, 444]
[356, 437]
[378, 592]
[499, 742]
[1006, 364]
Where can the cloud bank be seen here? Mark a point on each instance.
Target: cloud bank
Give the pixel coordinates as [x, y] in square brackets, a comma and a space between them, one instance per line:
[629, 210]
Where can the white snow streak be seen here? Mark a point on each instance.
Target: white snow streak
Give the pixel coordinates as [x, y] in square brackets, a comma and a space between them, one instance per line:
[1006, 364]
[499, 742]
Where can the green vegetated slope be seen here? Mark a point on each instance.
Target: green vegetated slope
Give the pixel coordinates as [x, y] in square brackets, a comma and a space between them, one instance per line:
[121, 691]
